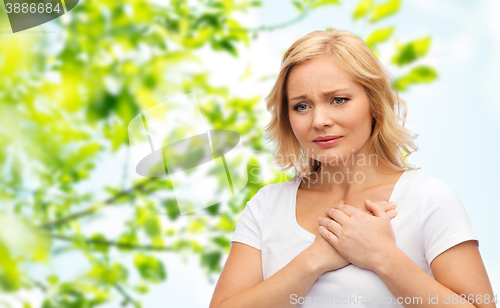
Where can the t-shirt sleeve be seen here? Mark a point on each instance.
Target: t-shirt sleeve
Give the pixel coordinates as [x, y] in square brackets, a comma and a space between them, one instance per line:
[445, 222]
[249, 230]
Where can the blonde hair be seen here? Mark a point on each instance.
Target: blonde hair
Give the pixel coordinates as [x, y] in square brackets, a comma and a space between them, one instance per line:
[391, 141]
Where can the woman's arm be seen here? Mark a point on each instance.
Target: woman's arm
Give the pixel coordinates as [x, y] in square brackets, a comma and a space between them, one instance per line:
[458, 270]
[241, 282]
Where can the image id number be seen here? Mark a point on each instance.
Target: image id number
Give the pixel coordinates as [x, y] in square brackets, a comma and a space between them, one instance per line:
[32, 8]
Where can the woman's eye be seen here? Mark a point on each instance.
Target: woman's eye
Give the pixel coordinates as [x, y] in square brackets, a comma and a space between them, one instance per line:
[298, 107]
[339, 100]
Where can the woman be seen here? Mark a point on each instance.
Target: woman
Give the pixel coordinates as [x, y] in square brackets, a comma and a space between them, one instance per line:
[318, 240]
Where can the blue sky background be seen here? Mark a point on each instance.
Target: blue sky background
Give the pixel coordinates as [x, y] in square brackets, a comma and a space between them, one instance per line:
[457, 118]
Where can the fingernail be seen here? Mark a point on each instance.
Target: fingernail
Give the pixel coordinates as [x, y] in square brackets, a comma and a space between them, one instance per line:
[393, 204]
[319, 219]
[368, 201]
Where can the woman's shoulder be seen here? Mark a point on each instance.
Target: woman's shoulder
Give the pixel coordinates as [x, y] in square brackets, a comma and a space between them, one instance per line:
[430, 188]
[419, 178]
[274, 192]
[275, 188]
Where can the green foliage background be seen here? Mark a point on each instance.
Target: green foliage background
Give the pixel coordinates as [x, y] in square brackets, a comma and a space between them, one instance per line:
[66, 102]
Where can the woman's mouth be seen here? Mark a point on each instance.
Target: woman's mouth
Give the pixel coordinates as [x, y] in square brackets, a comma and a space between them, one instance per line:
[328, 143]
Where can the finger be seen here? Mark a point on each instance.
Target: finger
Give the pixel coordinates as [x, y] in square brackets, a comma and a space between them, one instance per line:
[330, 224]
[346, 208]
[337, 215]
[387, 206]
[375, 208]
[329, 236]
[392, 213]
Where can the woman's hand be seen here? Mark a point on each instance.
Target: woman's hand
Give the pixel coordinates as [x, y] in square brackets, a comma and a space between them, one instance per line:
[362, 239]
[328, 257]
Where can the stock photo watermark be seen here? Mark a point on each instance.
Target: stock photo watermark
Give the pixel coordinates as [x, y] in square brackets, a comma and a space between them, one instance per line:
[173, 139]
[355, 299]
[347, 175]
[26, 14]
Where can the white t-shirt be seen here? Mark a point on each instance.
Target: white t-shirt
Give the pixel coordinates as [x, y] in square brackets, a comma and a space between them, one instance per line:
[431, 219]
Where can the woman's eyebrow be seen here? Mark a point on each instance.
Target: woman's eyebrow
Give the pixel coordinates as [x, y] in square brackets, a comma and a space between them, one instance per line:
[327, 93]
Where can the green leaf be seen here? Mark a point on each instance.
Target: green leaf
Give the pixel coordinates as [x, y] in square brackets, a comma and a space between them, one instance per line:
[411, 51]
[385, 10]
[152, 226]
[211, 260]
[108, 275]
[23, 239]
[141, 288]
[319, 3]
[222, 241]
[255, 3]
[419, 74]
[196, 225]
[363, 7]
[10, 276]
[172, 208]
[379, 36]
[128, 239]
[98, 246]
[52, 279]
[150, 268]
[226, 224]
[224, 44]
[298, 6]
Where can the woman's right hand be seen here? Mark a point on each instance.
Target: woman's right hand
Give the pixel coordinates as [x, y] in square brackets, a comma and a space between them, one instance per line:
[327, 257]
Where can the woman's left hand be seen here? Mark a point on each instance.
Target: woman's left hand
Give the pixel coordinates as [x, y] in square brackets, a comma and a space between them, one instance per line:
[362, 239]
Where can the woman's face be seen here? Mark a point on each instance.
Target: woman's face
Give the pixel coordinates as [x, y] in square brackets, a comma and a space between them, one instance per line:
[323, 99]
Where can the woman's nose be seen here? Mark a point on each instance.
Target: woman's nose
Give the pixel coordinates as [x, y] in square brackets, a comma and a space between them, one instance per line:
[322, 118]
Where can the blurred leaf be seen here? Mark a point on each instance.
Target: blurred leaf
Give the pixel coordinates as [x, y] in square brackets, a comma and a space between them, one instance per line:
[210, 260]
[226, 224]
[419, 74]
[22, 239]
[108, 275]
[196, 226]
[224, 44]
[152, 226]
[247, 73]
[52, 279]
[298, 6]
[320, 3]
[128, 239]
[150, 268]
[379, 36]
[141, 288]
[9, 273]
[363, 8]
[385, 10]
[411, 51]
[99, 247]
[172, 208]
[222, 241]
[255, 3]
